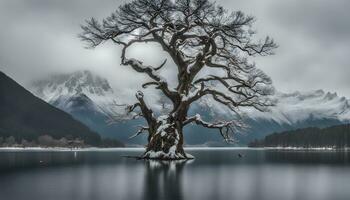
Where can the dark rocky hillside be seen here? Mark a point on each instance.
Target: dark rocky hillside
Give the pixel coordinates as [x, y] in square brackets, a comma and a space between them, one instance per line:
[24, 116]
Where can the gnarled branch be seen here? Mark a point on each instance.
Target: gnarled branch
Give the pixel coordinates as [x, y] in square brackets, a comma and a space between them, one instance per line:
[197, 35]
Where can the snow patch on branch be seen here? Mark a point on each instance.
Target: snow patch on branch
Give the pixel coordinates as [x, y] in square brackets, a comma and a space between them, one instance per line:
[138, 65]
[191, 94]
[220, 124]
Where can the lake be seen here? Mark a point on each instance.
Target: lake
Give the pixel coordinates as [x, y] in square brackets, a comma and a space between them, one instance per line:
[215, 174]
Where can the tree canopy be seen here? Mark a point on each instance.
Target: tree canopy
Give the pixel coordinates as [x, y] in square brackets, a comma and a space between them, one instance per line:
[197, 35]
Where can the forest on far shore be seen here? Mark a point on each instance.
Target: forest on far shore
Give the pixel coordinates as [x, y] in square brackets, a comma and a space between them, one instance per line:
[331, 137]
[48, 141]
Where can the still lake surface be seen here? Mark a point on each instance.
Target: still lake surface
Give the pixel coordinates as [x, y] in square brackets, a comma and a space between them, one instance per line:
[215, 174]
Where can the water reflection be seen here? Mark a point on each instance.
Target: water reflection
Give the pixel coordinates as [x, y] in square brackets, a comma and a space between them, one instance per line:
[310, 157]
[163, 179]
[215, 174]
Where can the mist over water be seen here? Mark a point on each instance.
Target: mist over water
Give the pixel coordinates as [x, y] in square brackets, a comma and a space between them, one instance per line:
[214, 174]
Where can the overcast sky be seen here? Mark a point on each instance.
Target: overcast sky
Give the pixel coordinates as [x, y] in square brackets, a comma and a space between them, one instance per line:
[39, 37]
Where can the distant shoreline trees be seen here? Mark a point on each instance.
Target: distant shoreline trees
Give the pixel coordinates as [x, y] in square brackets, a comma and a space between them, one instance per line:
[331, 137]
[47, 141]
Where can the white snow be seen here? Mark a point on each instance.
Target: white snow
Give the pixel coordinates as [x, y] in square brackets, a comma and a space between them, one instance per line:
[161, 154]
[59, 89]
[191, 94]
[164, 125]
[171, 154]
[189, 156]
[141, 66]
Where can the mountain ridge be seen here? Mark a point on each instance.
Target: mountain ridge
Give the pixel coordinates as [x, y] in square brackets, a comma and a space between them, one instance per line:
[83, 83]
[293, 110]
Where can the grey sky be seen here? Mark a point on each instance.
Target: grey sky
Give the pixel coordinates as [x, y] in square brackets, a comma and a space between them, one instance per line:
[38, 37]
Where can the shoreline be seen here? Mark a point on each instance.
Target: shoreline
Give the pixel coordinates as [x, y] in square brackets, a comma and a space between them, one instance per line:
[64, 149]
[306, 148]
[56, 149]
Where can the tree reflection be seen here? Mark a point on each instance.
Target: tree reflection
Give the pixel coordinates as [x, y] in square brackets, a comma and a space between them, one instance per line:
[163, 179]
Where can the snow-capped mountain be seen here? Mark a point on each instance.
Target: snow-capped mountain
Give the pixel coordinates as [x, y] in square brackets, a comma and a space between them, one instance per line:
[292, 108]
[77, 91]
[91, 99]
[298, 110]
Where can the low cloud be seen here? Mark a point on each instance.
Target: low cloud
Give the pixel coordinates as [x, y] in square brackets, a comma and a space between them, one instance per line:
[40, 37]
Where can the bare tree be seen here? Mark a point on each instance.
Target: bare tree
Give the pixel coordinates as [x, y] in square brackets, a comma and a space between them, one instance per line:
[197, 35]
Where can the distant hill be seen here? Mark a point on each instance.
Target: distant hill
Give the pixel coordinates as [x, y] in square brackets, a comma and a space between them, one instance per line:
[24, 116]
[334, 136]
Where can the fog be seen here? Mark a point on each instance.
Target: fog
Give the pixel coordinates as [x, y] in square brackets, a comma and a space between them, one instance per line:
[38, 38]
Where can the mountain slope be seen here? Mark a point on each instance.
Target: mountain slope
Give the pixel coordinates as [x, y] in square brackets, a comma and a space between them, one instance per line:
[296, 107]
[65, 91]
[23, 115]
[298, 110]
[90, 99]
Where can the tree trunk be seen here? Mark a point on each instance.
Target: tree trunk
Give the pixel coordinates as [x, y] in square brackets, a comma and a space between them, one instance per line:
[166, 143]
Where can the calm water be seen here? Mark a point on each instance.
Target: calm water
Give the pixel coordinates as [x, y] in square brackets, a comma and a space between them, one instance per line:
[214, 175]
